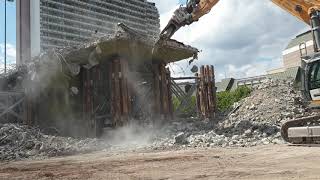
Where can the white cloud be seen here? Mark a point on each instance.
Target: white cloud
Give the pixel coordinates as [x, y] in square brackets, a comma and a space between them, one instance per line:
[11, 53]
[166, 9]
[249, 70]
[165, 6]
[242, 38]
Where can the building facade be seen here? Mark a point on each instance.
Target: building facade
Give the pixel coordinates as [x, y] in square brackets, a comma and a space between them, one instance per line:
[59, 23]
[299, 46]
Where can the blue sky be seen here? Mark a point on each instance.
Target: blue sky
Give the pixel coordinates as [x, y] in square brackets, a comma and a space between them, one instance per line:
[11, 32]
[11, 22]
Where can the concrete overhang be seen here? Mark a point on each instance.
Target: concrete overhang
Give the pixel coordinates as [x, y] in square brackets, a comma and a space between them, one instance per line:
[132, 45]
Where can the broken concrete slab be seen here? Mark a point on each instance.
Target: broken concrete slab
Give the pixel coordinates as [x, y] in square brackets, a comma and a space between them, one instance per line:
[129, 43]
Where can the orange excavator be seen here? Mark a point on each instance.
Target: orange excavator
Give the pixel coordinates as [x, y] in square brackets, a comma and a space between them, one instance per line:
[305, 10]
[304, 130]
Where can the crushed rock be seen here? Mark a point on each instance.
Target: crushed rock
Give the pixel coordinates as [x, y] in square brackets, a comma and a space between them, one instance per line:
[256, 120]
[20, 142]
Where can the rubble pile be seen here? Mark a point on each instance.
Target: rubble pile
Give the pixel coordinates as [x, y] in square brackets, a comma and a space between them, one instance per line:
[256, 120]
[20, 142]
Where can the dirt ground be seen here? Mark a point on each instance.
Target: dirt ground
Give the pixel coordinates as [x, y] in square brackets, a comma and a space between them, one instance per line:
[263, 162]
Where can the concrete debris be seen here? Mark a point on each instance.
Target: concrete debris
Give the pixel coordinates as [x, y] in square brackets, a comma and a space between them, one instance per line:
[127, 40]
[256, 120]
[20, 142]
[181, 138]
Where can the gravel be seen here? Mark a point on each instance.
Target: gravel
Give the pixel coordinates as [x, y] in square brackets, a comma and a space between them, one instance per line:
[256, 120]
[20, 142]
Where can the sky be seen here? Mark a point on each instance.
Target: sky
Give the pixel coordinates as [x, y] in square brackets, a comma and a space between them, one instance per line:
[11, 32]
[241, 38]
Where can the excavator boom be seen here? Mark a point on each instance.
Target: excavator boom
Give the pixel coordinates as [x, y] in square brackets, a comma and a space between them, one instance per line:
[195, 9]
[299, 8]
[203, 7]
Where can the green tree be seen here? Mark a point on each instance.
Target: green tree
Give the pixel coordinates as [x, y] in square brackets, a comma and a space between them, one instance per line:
[226, 99]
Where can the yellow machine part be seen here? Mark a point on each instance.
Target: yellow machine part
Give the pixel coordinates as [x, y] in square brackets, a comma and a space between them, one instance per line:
[298, 8]
[203, 8]
[315, 103]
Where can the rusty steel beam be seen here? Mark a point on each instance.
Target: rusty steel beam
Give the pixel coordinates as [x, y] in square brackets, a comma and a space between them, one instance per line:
[171, 108]
[206, 92]
[164, 89]
[198, 95]
[156, 88]
[124, 91]
[116, 93]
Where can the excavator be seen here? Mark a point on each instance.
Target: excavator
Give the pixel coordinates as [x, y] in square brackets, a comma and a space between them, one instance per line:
[305, 130]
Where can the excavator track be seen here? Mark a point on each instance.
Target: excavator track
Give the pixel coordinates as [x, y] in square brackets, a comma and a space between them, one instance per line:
[302, 130]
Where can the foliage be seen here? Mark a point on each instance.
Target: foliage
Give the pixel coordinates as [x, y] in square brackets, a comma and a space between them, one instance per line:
[225, 100]
[188, 111]
[176, 103]
[228, 98]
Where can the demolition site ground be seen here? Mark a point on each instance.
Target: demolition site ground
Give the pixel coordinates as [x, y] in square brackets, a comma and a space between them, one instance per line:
[244, 143]
[261, 162]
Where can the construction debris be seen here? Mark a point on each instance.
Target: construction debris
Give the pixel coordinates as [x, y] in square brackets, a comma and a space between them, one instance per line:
[20, 142]
[256, 120]
[67, 87]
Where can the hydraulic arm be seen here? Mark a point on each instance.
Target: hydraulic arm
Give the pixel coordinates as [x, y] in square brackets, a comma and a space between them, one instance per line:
[186, 15]
[305, 10]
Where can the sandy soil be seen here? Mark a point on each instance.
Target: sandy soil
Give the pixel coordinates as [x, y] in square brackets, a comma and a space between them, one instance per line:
[264, 162]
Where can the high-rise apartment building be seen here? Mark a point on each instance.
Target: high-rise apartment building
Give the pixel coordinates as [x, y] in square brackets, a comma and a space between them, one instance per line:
[59, 23]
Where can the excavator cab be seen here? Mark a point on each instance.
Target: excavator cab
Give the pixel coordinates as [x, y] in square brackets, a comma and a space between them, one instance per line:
[312, 79]
[306, 130]
[311, 64]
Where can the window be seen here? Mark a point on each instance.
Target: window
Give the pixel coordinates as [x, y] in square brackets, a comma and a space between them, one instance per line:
[314, 75]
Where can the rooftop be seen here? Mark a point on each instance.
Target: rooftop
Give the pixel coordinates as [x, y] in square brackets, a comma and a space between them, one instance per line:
[304, 37]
